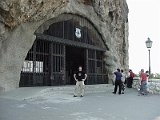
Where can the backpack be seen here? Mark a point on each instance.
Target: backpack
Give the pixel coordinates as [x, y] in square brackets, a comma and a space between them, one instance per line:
[131, 74]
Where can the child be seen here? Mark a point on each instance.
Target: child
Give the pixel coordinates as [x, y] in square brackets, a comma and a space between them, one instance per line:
[123, 80]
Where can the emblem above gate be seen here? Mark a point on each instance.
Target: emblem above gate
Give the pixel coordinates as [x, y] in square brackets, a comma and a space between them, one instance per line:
[78, 32]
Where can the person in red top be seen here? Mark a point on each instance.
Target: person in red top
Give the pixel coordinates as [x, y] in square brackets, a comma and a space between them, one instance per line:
[143, 83]
[130, 79]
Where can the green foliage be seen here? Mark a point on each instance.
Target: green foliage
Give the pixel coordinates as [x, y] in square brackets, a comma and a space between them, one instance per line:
[156, 76]
[153, 76]
[136, 75]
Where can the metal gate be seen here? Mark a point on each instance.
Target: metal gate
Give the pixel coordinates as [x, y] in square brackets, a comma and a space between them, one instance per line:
[45, 63]
[95, 65]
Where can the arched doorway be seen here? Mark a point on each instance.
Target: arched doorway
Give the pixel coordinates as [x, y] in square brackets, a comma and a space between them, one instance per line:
[60, 49]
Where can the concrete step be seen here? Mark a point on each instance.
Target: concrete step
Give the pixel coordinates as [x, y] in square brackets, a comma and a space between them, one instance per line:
[88, 88]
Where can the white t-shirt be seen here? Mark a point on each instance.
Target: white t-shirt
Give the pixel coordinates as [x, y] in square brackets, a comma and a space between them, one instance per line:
[128, 75]
[123, 77]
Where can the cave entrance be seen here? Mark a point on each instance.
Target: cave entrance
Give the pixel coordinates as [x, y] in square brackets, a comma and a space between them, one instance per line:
[60, 47]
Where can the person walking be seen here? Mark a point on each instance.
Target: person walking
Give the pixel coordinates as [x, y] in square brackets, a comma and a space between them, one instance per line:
[80, 76]
[143, 87]
[123, 81]
[117, 81]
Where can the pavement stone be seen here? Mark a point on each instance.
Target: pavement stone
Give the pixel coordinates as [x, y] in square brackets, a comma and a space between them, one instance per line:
[58, 103]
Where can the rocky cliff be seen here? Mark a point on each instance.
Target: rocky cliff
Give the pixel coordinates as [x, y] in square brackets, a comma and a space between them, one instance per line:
[19, 19]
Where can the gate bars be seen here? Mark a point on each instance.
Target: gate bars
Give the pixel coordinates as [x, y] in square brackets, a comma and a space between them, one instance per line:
[45, 63]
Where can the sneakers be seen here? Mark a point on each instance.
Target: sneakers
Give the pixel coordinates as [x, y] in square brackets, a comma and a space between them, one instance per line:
[81, 96]
[113, 92]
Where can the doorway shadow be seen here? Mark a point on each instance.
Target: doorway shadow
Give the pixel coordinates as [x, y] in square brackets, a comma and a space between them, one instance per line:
[74, 57]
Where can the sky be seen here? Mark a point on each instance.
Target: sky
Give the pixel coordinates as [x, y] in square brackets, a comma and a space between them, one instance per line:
[144, 22]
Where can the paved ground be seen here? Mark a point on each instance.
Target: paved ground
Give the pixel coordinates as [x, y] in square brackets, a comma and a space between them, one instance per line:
[58, 103]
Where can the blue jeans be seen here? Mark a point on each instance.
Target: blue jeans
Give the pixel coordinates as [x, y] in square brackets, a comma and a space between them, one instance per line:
[143, 88]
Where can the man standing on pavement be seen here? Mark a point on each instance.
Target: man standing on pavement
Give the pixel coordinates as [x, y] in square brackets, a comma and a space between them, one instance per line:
[143, 83]
[80, 76]
[117, 81]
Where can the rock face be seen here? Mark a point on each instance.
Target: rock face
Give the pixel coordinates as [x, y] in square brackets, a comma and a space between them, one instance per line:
[19, 19]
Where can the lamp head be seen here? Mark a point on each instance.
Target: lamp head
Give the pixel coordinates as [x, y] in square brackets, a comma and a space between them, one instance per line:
[148, 43]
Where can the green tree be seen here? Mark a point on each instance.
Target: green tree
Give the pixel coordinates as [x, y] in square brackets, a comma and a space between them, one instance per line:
[157, 76]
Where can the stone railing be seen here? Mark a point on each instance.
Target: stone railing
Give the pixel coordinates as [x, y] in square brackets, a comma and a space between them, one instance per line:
[153, 88]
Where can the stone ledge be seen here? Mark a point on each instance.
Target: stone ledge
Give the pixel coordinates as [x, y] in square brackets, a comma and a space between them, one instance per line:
[153, 88]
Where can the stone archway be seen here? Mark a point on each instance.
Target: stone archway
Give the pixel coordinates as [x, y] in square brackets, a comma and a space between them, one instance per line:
[20, 19]
[44, 62]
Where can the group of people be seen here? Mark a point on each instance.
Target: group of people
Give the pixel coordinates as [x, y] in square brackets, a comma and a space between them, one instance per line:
[129, 79]
[121, 79]
[80, 76]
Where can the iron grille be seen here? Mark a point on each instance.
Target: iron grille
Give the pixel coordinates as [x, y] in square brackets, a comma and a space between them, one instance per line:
[47, 62]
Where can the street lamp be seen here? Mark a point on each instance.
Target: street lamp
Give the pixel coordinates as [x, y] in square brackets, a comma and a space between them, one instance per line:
[149, 45]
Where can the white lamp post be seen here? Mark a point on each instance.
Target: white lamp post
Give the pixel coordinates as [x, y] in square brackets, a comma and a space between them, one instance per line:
[149, 45]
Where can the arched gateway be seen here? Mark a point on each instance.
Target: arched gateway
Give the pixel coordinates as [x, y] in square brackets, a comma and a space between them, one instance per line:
[61, 45]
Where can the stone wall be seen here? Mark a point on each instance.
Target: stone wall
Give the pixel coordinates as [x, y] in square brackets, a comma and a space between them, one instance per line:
[154, 85]
[19, 19]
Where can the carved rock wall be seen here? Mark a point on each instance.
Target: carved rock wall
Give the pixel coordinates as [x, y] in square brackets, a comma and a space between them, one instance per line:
[19, 19]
